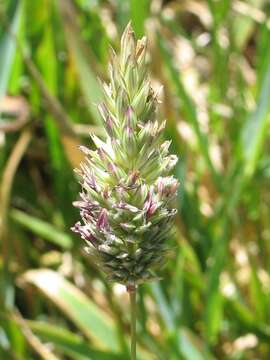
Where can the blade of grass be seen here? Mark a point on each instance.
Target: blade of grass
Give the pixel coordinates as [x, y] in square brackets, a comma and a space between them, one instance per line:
[250, 144]
[41, 228]
[188, 107]
[14, 339]
[258, 296]
[85, 314]
[214, 302]
[69, 343]
[81, 54]
[33, 340]
[255, 129]
[247, 320]
[91, 320]
[165, 310]
[138, 15]
[191, 347]
[251, 139]
[8, 45]
[60, 168]
[5, 193]
[219, 12]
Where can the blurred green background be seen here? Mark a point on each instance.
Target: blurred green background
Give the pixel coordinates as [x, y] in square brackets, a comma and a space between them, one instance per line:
[213, 58]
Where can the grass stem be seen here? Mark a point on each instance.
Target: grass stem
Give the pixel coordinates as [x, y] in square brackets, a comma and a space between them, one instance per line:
[132, 295]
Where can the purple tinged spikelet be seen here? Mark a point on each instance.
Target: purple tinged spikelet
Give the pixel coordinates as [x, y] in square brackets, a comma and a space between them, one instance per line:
[102, 221]
[126, 203]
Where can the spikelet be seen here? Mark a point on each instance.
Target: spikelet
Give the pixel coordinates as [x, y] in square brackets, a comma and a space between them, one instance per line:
[127, 193]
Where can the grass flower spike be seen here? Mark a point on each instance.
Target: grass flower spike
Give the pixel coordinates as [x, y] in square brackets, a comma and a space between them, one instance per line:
[127, 191]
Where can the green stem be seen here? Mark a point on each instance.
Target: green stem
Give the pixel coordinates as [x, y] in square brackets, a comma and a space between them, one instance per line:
[132, 295]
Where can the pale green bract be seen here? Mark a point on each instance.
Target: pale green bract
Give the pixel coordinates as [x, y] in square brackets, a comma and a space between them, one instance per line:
[127, 193]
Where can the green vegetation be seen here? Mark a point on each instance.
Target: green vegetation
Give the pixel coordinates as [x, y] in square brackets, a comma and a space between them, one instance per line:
[213, 58]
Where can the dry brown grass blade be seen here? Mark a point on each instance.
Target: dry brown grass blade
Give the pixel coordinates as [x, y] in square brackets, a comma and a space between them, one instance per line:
[8, 178]
[32, 339]
[5, 191]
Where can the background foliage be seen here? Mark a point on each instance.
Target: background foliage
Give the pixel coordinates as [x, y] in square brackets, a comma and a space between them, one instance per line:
[213, 58]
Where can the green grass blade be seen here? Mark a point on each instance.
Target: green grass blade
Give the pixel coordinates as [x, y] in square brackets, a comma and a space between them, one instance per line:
[165, 310]
[11, 337]
[258, 296]
[69, 343]
[61, 171]
[255, 128]
[213, 312]
[83, 59]
[191, 347]
[246, 320]
[8, 45]
[41, 228]
[138, 15]
[188, 107]
[91, 320]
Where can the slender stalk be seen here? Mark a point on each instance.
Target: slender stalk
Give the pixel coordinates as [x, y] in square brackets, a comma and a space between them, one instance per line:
[132, 295]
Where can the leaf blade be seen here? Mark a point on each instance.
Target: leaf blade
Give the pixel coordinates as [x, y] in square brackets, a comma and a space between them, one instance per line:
[91, 320]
